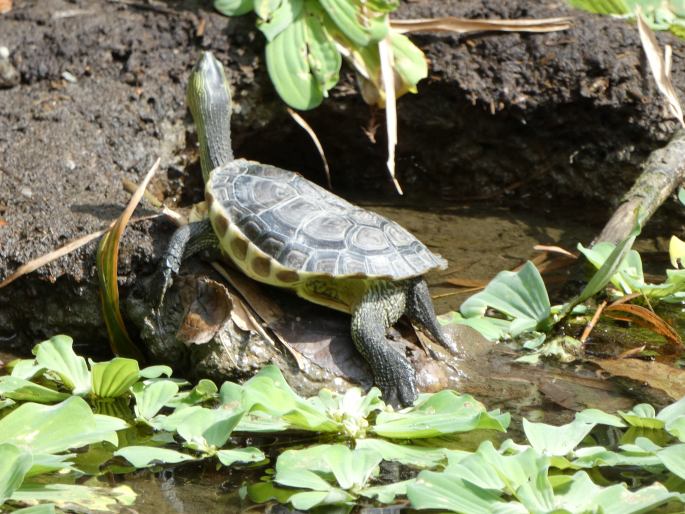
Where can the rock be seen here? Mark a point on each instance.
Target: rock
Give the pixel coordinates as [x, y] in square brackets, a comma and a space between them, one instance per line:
[9, 76]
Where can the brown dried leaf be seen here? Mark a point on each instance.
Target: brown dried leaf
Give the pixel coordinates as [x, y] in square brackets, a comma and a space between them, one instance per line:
[655, 374]
[660, 66]
[646, 318]
[465, 25]
[5, 6]
[34, 264]
[208, 311]
[555, 249]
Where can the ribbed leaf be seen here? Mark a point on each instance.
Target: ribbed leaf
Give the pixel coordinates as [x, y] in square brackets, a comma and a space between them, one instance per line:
[233, 7]
[275, 16]
[288, 64]
[361, 26]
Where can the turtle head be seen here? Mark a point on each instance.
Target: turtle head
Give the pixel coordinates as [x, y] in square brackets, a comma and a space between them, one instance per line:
[209, 100]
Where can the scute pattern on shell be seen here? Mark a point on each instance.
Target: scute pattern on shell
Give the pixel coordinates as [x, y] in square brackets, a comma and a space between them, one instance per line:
[308, 229]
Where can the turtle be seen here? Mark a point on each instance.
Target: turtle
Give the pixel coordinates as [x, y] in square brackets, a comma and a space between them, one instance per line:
[283, 230]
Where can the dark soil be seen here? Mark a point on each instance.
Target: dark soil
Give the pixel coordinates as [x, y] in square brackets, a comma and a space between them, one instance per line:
[530, 120]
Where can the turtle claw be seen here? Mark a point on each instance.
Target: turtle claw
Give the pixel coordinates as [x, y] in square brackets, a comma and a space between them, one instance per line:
[399, 382]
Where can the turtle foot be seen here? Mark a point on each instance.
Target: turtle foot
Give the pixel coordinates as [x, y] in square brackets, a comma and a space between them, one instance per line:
[397, 380]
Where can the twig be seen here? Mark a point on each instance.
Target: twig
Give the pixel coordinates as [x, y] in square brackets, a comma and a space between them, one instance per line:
[663, 172]
[593, 322]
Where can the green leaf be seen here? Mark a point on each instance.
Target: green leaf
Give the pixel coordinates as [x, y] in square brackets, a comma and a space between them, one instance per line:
[388, 492]
[409, 62]
[409, 455]
[92, 499]
[205, 390]
[14, 465]
[274, 20]
[233, 7]
[599, 417]
[323, 57]
[439, 414]
[361, 26]
[642, 415]
[580, 494]
[601, 6]
[352, 468]
[22, 390]
[288, 65]
[208, 429]
[155, 371]
[519, 295]
[605, 273]
[114, 378]
[57, 355]
[246, 455]
[310, 499]
[107, 263]
[442, 491]
[144, 456]
[53, 428]
[673, 457]
[556, 441]
[150, 398]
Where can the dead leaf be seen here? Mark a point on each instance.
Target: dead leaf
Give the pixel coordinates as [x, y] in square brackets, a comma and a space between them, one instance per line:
[259, 308]
[208, 309]
[34, 264]
[655, 374]
[467, 282]
[309, 130]
[660, 66]
[388, 77]
[646, 318]
[5, 6]
[465, 25]
[555, 249]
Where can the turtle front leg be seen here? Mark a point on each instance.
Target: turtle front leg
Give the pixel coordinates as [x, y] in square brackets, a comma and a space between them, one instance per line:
[186, 241]
[422, 313]
[392, 372]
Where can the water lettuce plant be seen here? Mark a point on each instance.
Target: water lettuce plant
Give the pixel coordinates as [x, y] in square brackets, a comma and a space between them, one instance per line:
[307, 40]
[165, 421]
[659, 14]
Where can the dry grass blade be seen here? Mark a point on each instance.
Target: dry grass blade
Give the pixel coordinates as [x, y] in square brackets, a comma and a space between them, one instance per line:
[309, 130]
[467, 282]
[660, 66]
[388, 76]
[34, 264]
[644, 317]
[465, 25]
[554, 249]
[107, 264]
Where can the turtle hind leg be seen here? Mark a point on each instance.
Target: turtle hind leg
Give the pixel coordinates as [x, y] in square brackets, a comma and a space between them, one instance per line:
[392, 371]
[185, 242]
[421, 312]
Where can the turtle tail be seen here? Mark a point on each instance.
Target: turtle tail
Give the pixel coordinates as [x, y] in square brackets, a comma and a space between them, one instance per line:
[209, 100]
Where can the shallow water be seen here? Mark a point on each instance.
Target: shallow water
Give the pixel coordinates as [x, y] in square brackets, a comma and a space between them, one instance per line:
[478, 242]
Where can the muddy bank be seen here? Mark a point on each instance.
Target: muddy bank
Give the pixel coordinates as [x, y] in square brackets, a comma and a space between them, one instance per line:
[528, 120]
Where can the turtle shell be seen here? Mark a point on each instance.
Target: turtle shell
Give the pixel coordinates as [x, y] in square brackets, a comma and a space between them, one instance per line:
[264, 212]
